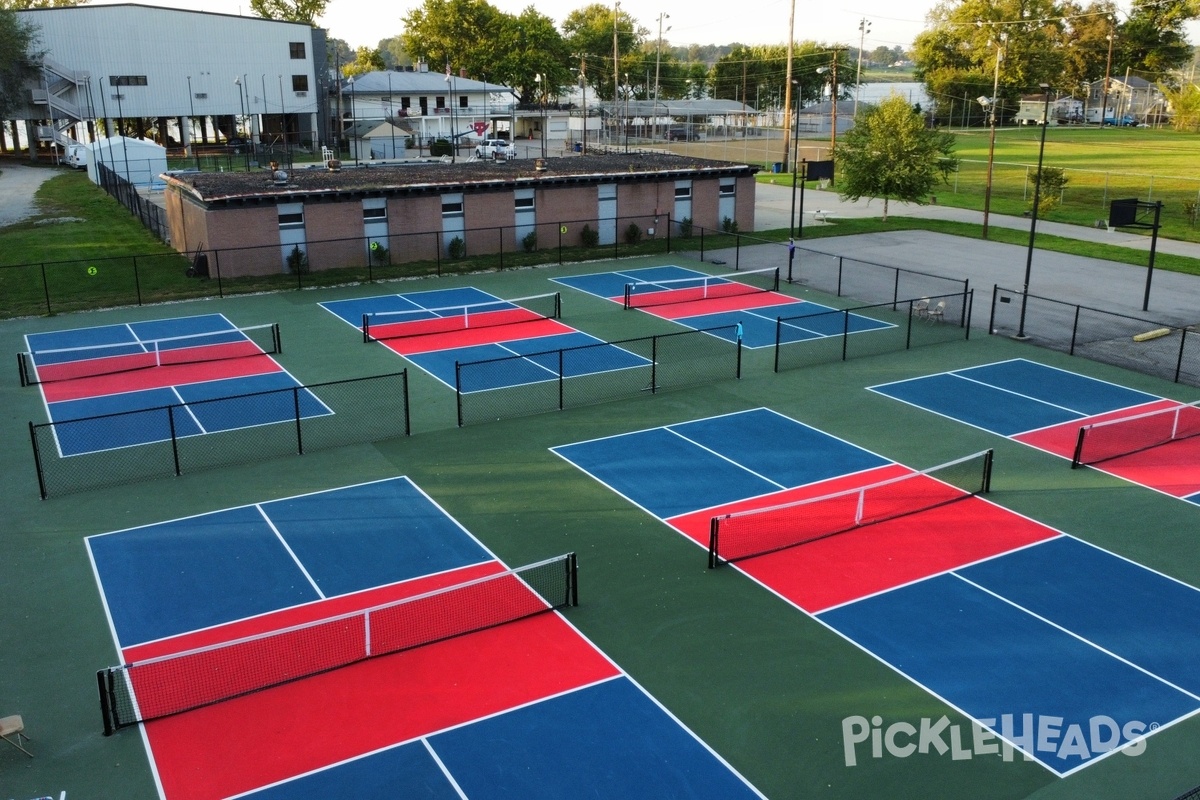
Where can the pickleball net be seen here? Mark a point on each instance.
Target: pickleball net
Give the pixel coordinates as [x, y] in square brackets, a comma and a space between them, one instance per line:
[1114, 438]
[171, 684]
[90, 361]
[645, 294]
[756, 532]
[383, 325]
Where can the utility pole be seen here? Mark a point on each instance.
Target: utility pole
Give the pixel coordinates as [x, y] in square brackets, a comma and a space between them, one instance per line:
[1107, 70]
[616, 63]
[658, 67]
[787, 94]
[864, 27]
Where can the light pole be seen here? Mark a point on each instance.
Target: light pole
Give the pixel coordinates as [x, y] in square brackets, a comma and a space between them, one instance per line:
[242, 101]
[616, 60]
[832, 70]
[626, 120]
[795, 155]
[539, 78]
[864, 27]
[352, 139]
[1107, 71]
[191, 119]
[283, 126]
[658, 67]
[1033, 217]
[990, 106]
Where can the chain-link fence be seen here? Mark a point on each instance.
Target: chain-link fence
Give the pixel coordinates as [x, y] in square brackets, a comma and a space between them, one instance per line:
[605, 371]
[1135, 343]
[112, 449]
[866, 280]
[839, 335]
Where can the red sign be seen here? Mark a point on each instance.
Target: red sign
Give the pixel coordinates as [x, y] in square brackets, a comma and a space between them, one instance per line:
[480, 127]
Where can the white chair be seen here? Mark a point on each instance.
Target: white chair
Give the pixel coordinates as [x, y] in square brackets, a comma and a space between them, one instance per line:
[14, 726]
[921, 307]
[937, 313]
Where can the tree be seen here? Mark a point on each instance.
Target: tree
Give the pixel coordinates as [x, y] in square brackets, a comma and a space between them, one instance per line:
[21, 5]
[305, 11]
[393, 52]
[762, 70]
[461, 34]
[889, 153]
[956, 56]
[365, 60]
[589, 35]
[1185, 105]
[18, 62]
[1153, 38]
[530, 45]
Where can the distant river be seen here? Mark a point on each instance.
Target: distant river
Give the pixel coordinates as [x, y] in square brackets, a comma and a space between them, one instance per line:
[911, 91]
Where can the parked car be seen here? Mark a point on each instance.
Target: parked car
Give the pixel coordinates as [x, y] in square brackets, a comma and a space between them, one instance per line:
[1126, 121]
[679, 133]
[493, 148]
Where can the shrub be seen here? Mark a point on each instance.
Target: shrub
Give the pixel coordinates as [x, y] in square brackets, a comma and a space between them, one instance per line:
[728, 225]
[685, 227]
[1053, 182]
[297, 261]
[440, 147]
[529, 241]
[380, 254]
[633, 234]
[457, 248]
[589, 237]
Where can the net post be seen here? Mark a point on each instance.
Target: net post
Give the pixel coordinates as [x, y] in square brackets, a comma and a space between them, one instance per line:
[778, 340]
[276, 339]
[1077, 456]
[738, 366]
[174, 439]
[366, 329]
[1183, 332]
[558, 305]
[628, 292]
[714, 560]
[37, 460]
[737, 251]
[1074, 331]
[572, 563]
[987, 470]
[22, 369]
[106, 703]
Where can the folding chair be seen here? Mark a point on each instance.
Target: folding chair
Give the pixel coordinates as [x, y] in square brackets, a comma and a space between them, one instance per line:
[10, 726]
[937, 313]
[921, 307]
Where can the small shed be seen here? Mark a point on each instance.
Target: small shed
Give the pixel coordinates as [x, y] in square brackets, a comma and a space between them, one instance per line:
[139, 161]
[386, 141]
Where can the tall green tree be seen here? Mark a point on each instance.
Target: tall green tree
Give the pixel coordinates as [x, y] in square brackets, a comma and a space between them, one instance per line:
[21, 5]
[761, 72]
[889, 153]
[305, 11]
[956, 55]
[393, 52]
[589, 35]
[461, 34]
[1152, 40]
[366, 59]
[18, 61]
[533, 57]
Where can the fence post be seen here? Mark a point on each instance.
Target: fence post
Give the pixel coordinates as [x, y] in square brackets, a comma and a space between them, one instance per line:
[137, 283]
[653, 365]
[37, 460]
[839, 286]
[701, 243]
[560, 261]
[1074, 331]
[296, 408]
[896, 290]
[968, 308]
[437, 253]
[778, 340]
[560, 379]
[46, 288]
[845, 333]
[908, 333]
[500, 231]
[217, 269]
[737, 251]
[458, 390]
[668, 233]
[174, 439]
[992, 316]
[1183, 332]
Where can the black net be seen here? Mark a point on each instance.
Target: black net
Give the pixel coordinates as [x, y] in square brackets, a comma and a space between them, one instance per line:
[112, 449]
[383, 325]
[1113, 438]
[74, 363]
[807, 340]
[166, 685]
[754, 533]
[644, 294]
[534, 383]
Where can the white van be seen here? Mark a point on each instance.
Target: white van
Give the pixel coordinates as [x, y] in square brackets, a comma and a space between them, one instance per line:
[76, 156]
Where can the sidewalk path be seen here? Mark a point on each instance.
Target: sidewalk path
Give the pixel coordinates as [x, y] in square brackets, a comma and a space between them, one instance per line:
[18, 185]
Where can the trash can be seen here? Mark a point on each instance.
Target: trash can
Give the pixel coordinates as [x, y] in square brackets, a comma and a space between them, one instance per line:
[777, 167]
[579, 147]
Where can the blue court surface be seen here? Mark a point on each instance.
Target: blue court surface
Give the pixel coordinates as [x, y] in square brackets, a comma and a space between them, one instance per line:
[130, 337]
[191, 573]
[1013, 397]
[421, 304]
[1060, 649]
[759, 323]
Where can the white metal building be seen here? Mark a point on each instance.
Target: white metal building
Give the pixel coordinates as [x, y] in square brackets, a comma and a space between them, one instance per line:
[240, 75]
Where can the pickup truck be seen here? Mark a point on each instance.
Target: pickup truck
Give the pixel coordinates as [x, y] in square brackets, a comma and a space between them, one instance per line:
[493, 148]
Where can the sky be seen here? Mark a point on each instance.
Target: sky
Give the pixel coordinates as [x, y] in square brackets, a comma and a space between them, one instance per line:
[892, 23]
